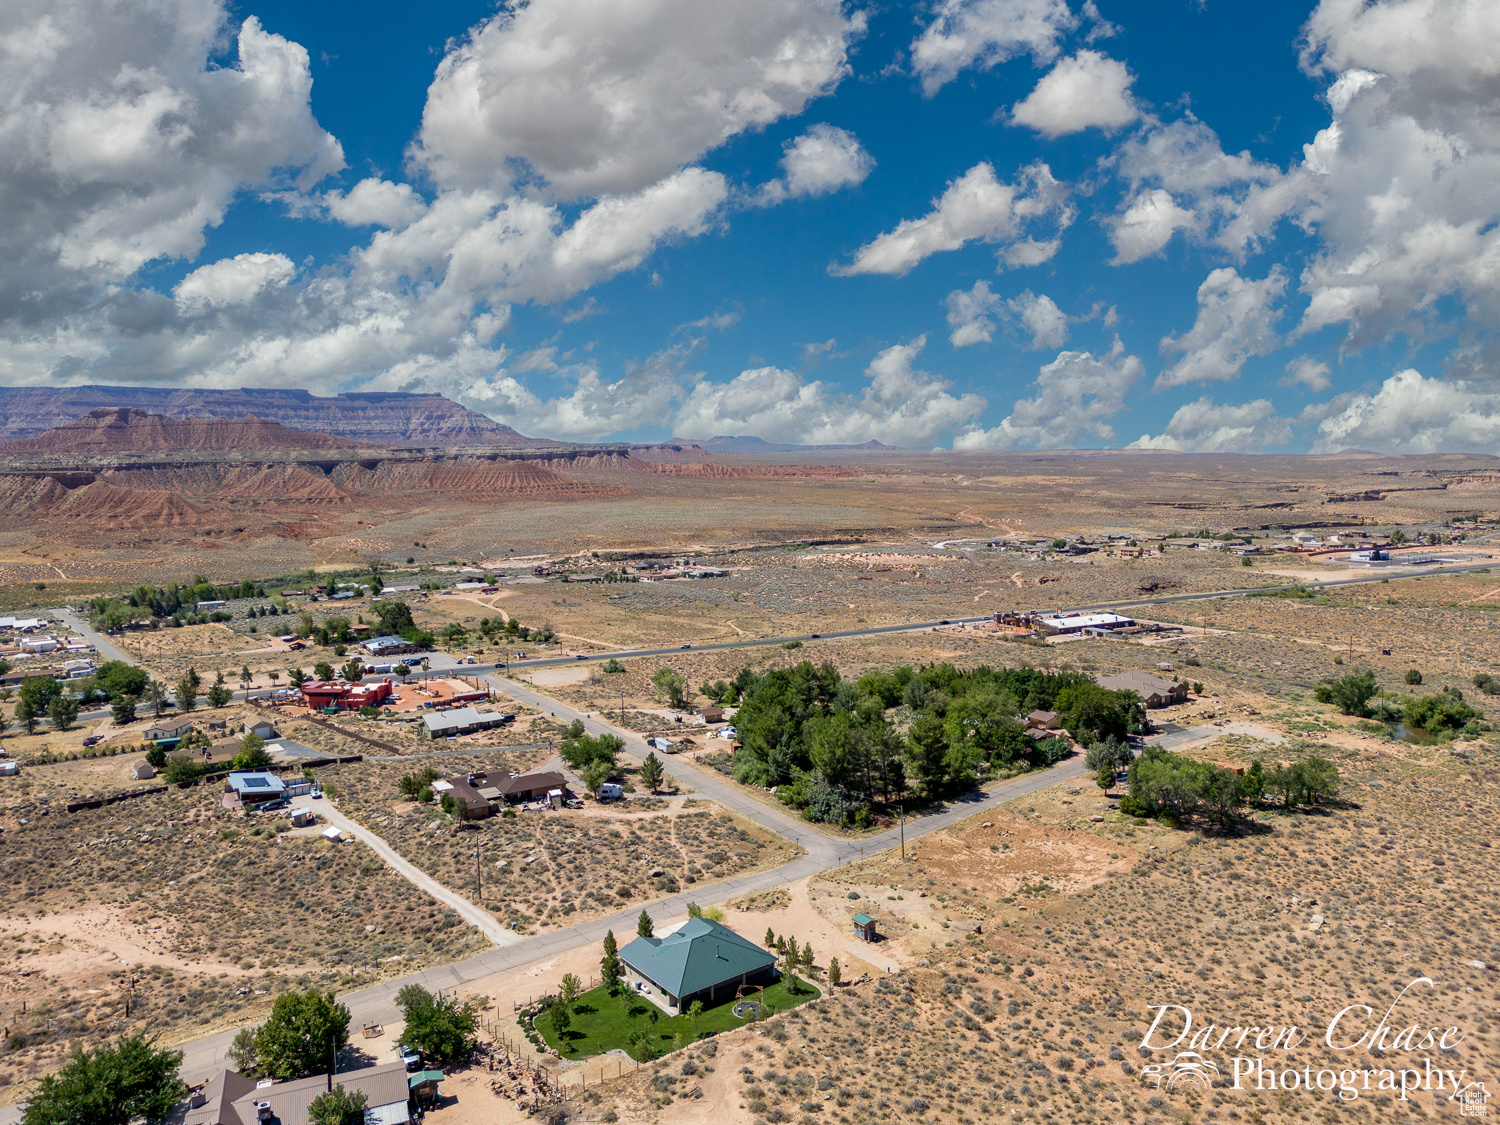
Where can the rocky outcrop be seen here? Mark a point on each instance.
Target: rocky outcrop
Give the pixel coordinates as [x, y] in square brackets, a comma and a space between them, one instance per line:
[388, 418]
[124, 429]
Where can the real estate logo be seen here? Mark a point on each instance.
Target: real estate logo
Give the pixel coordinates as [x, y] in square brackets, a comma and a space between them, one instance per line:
[1256, 1056]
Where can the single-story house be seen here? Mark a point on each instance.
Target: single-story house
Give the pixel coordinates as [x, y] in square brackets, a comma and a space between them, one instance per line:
[462, 720]
[701, 960]
[232, 1099]
[143, 770]
[1041, 720]
[254, 787]
[529, 786]
[261, 728]
[713, 714]
[482, 794]
[387, 646]
[1083, 623]
[1153, 690]
[40, 644]
[168, 732]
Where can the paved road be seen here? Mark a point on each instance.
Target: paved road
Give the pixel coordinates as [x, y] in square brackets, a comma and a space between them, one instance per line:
[107, 650]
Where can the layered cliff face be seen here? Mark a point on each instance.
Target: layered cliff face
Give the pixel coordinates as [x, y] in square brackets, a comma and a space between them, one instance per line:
[389, 418]
[123, 429]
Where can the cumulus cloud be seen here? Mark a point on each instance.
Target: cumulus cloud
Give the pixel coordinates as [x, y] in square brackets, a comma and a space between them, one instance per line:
[1147, 224]
[1040, 316]
[598, 98]
[986, 33]
[232, 281]
[1077, 394]
[971, 314]
[1413, 414]
[1202, 427]
[822, 160]
[1310, 373]
[901, 405]
[975, 207]
[1085, 91]
[1236, 320]
[123, 145]
[376, 202]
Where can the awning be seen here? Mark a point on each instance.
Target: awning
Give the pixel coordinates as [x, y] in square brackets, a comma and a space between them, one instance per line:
[394, 1114]
[421, 1078]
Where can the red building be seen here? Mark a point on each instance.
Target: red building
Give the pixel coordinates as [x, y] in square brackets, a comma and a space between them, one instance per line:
[345, 697]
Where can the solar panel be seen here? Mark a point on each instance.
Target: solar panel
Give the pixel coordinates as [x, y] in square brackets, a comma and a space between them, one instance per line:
[256, 783]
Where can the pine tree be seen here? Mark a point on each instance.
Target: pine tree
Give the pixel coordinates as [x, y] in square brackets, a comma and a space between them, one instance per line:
[835, 973]
[770, 938]
[644, 927]
[609, 968]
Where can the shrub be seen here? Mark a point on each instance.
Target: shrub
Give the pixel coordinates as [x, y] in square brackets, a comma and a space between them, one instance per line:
[1413, 676]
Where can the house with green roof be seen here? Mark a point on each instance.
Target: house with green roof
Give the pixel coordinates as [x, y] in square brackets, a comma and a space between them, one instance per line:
[701, 960]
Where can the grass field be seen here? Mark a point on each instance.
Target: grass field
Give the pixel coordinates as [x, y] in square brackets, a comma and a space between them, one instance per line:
[601, 1022]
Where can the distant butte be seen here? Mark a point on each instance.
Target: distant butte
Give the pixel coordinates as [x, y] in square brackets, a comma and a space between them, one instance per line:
[748, 443]
[386, 418]
[123, 429]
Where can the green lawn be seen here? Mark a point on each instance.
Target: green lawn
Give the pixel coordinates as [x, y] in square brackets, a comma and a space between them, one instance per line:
[602, 1022]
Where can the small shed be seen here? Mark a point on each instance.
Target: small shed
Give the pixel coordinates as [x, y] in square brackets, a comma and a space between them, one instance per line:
[712, 714]
[143, 770]
[301, 818]
[261, 728]
[9, 769]
[332, 834]
[864, 927]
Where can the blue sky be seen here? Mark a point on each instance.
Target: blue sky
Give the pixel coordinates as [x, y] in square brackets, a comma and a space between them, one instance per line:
[1002, 224]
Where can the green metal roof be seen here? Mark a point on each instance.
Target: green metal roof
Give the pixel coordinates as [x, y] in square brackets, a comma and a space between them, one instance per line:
[697, 956]
[863, 919]
[424, 1076]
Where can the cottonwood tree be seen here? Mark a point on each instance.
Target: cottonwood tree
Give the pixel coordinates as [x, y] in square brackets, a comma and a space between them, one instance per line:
[441, 1028]
[113, 1085]
[303, 1035]
[672, 686]
[338, 1107]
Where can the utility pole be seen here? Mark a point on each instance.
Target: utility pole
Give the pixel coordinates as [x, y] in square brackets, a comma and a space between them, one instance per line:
[903, 827]
[478, 873]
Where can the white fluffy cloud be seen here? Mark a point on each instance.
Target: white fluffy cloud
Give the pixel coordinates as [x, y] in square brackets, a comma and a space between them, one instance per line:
[608, 96]
[975, 207]
[1077, 394]
[1236, 320]
[376, 202]
[985, 33]
[1412, 414]
[1085, 91]
[1310, 373]
[1041, 318]
[123, 144]
[972, 313]
[232, 281]
[900, 406]
[822, 160]
[1202, 427]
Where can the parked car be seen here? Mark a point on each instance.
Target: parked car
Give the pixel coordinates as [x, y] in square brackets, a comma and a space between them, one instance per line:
[93, 740]
[316, 794]
[580, 656]
[684, 646]
[409, 1055]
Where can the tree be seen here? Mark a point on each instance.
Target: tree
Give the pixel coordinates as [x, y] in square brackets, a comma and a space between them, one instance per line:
[323, 670]
[187, 692]
[652, 772]
[303, 1034]
[180, 768]
[594, 775]
[1105, 777]
[119, 679]
[273, 675]
[155, 696]
[695, 1013]
[793, 955]
[580, 750]
[402, 671]
[1351, 694]
[441, 1028]
[927, 749]
[570, 989]
[245, 677]
[110, 1086]
[807, 958]
[644, 927]
[219, 695]
[354, 671]
[157, 757]
[62, 711]
[242, 1054]
[122, 709]
[672, 686]
[26, 715]
[770, 938]
[252, 755]
[560, 1018]
[1108, 753]
[338, 1107]
[610, 969]
[1413, 676]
